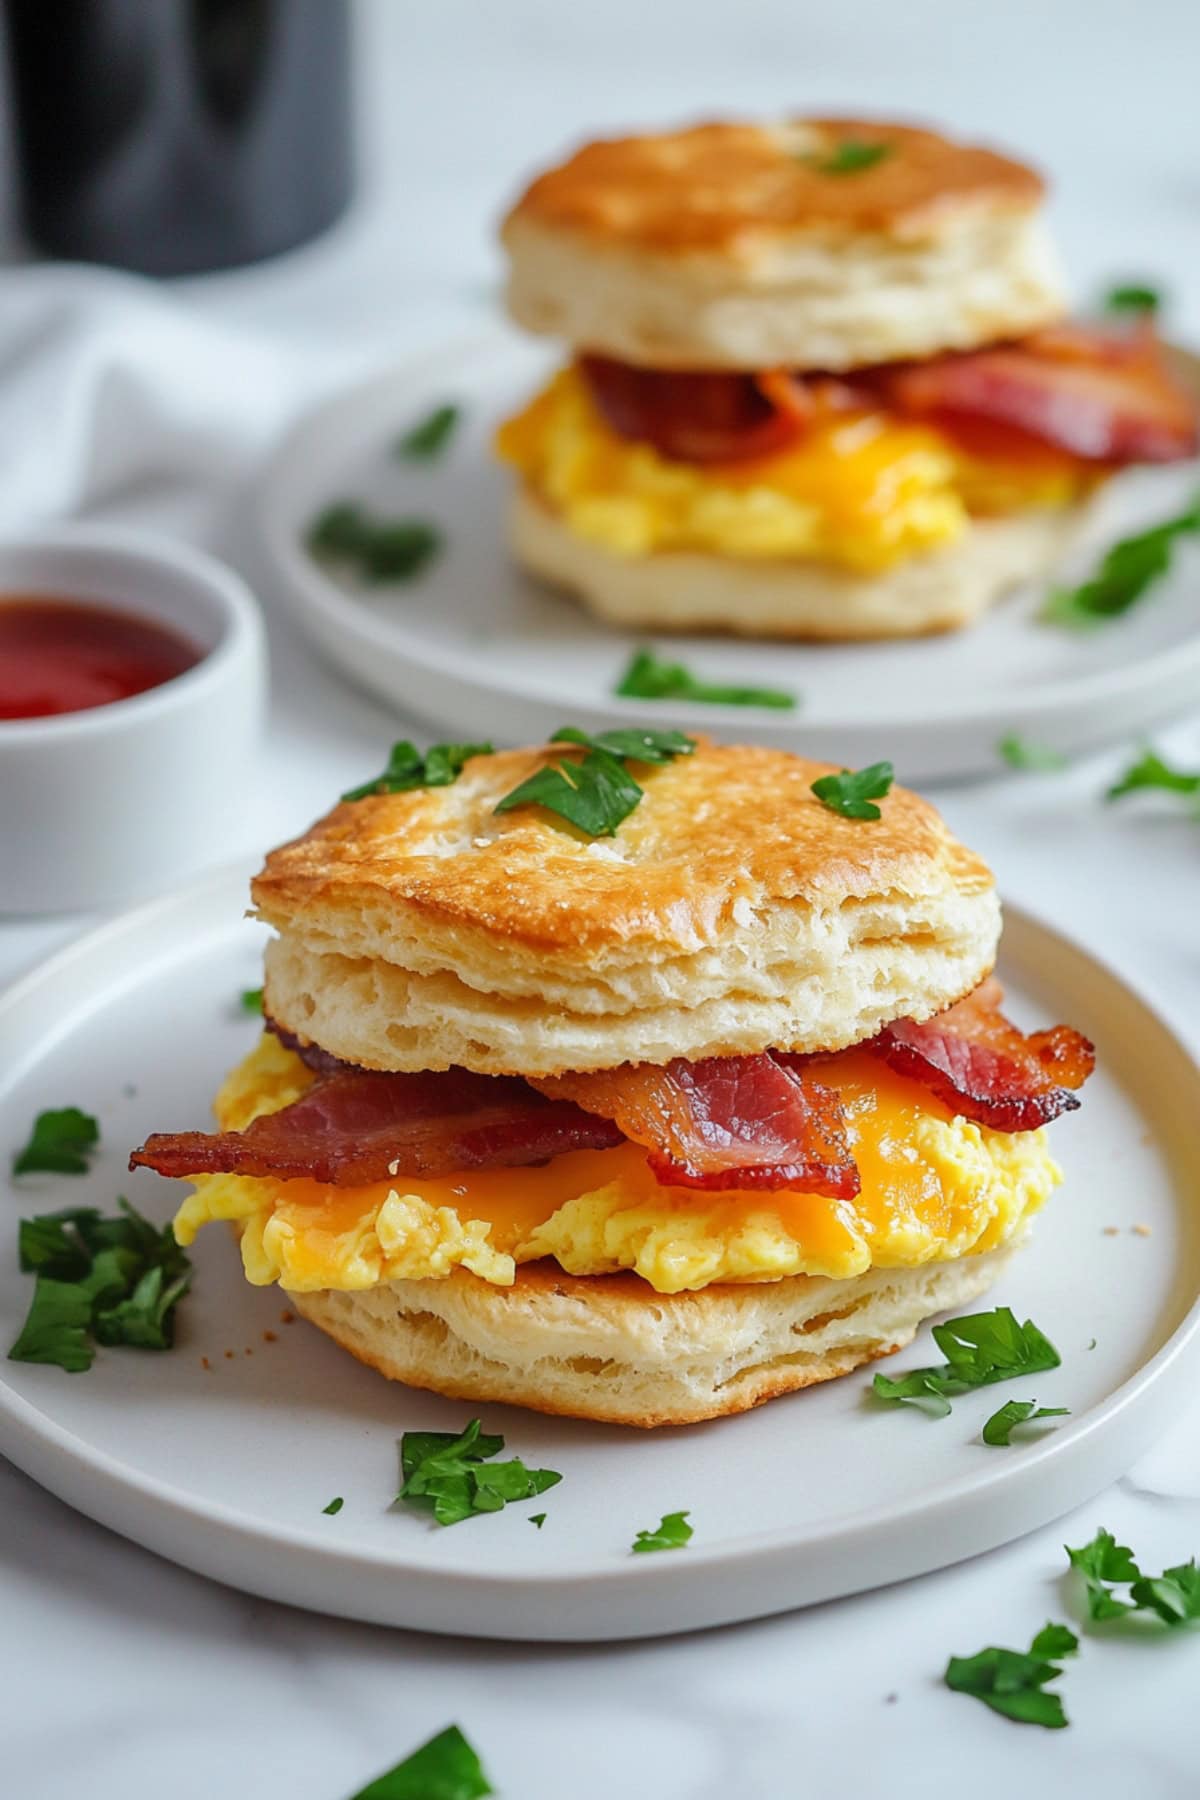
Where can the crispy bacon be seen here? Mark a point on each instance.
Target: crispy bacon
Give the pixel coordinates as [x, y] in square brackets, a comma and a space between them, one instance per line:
[987, 1070]
[1103, 396]
[355, 1127]
[724, 1122]
[696, 416]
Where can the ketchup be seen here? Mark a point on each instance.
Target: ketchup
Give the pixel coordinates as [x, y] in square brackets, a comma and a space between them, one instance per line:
[59, 656]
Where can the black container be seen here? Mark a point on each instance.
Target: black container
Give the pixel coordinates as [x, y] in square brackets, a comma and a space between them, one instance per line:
[174, 136]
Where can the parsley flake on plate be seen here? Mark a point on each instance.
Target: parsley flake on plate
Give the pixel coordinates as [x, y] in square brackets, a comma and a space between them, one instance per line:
[1125, 572]
[335, 1505]
[116, 1280]
[440, 766]
[672, 1533]
[427, 440]
[251, 1000]
[61, 1143]
[853, 793]
[649, 677]
[1020, 753]
[595, 794]
[455, 1477]
[446, 1768]
[849, 157]
[376, 549]
[980, 1349]
[1013, 1682]
[538, 1519]
[1150, 771]
[999, 1428]
[1133, 297]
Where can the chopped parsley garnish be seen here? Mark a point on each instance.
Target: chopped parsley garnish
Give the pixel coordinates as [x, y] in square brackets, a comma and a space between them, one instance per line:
[538, 1519]
[649, 677]
[849, 157]
[854, 791]
[440, 766]
[1100, 1564]
[1150, 771]
[454, 1477]
[252, 1000]
[61, 1143]
[1172, 1597]
[377, 549]
[1004, 1421]
[117, 1281]
[446, 1768]
[431, 436]
[1132, 297]
[671, 1534]
[1013, 1682]
[1019, 753]
[1128, 569]
[980, 1349]
[335, 1506]
[596, 794]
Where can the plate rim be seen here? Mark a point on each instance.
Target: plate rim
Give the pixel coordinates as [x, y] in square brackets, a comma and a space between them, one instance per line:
[64, 1462]
[322, 605]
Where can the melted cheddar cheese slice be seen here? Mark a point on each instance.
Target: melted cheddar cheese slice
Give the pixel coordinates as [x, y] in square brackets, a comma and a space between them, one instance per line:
[933, 1186]
[862, 492]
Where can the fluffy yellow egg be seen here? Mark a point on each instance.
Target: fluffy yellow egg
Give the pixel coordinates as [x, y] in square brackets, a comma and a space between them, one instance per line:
[862, 492]
[934, 1186]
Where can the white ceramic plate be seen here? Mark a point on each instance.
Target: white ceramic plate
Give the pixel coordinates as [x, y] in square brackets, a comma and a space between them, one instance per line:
[226, 1469]
[479, 650]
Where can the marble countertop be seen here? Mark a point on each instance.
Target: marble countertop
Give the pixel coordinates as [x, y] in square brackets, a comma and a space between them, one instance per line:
[124, 1674]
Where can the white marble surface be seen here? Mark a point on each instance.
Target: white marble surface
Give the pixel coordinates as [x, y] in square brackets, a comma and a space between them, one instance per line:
[123, 1674]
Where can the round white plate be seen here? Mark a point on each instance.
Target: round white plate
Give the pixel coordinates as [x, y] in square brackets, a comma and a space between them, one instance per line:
[479, 650]
[226, 1467]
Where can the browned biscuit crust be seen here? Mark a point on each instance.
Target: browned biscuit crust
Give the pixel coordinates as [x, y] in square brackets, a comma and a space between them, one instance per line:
[730, 913]
[730, 187]
[608, 1348]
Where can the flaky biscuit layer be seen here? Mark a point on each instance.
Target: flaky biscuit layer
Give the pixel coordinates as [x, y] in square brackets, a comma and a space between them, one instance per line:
[731, 246]
[731, 913]
[608, 1348]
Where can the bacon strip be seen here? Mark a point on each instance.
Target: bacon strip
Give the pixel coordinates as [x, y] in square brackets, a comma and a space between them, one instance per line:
[728, 1122]
[724, 1122]
[695, 416]
[1102, 396]
[987, 1070]
[356, 1127]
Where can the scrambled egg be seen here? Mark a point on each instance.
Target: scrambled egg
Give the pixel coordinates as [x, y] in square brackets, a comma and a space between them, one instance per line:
[933, 1186]
[862, 492]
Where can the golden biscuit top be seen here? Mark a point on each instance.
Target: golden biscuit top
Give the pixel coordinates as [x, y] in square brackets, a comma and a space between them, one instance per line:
[725, 829]
[727, 187]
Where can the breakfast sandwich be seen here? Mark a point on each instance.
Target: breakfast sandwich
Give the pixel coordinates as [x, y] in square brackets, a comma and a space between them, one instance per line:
[631, 1077]
[821, 384]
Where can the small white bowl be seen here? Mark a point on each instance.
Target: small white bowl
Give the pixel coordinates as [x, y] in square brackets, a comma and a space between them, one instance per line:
[121, 800]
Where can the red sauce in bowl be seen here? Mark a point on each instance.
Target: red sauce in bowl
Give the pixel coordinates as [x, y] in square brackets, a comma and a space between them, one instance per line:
[59, 656]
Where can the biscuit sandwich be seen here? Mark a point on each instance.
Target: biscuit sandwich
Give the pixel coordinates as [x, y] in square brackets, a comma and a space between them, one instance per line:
[821, 384]
[630, 1077]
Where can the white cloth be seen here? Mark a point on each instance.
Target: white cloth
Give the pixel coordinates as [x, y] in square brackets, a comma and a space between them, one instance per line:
[114, 390]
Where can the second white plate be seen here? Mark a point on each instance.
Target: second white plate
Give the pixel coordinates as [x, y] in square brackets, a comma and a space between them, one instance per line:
[479, 650]
[223, 1453]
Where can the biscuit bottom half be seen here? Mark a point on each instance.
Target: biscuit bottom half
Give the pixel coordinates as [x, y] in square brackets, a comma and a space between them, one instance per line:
[583, 1286]
[868, 526]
